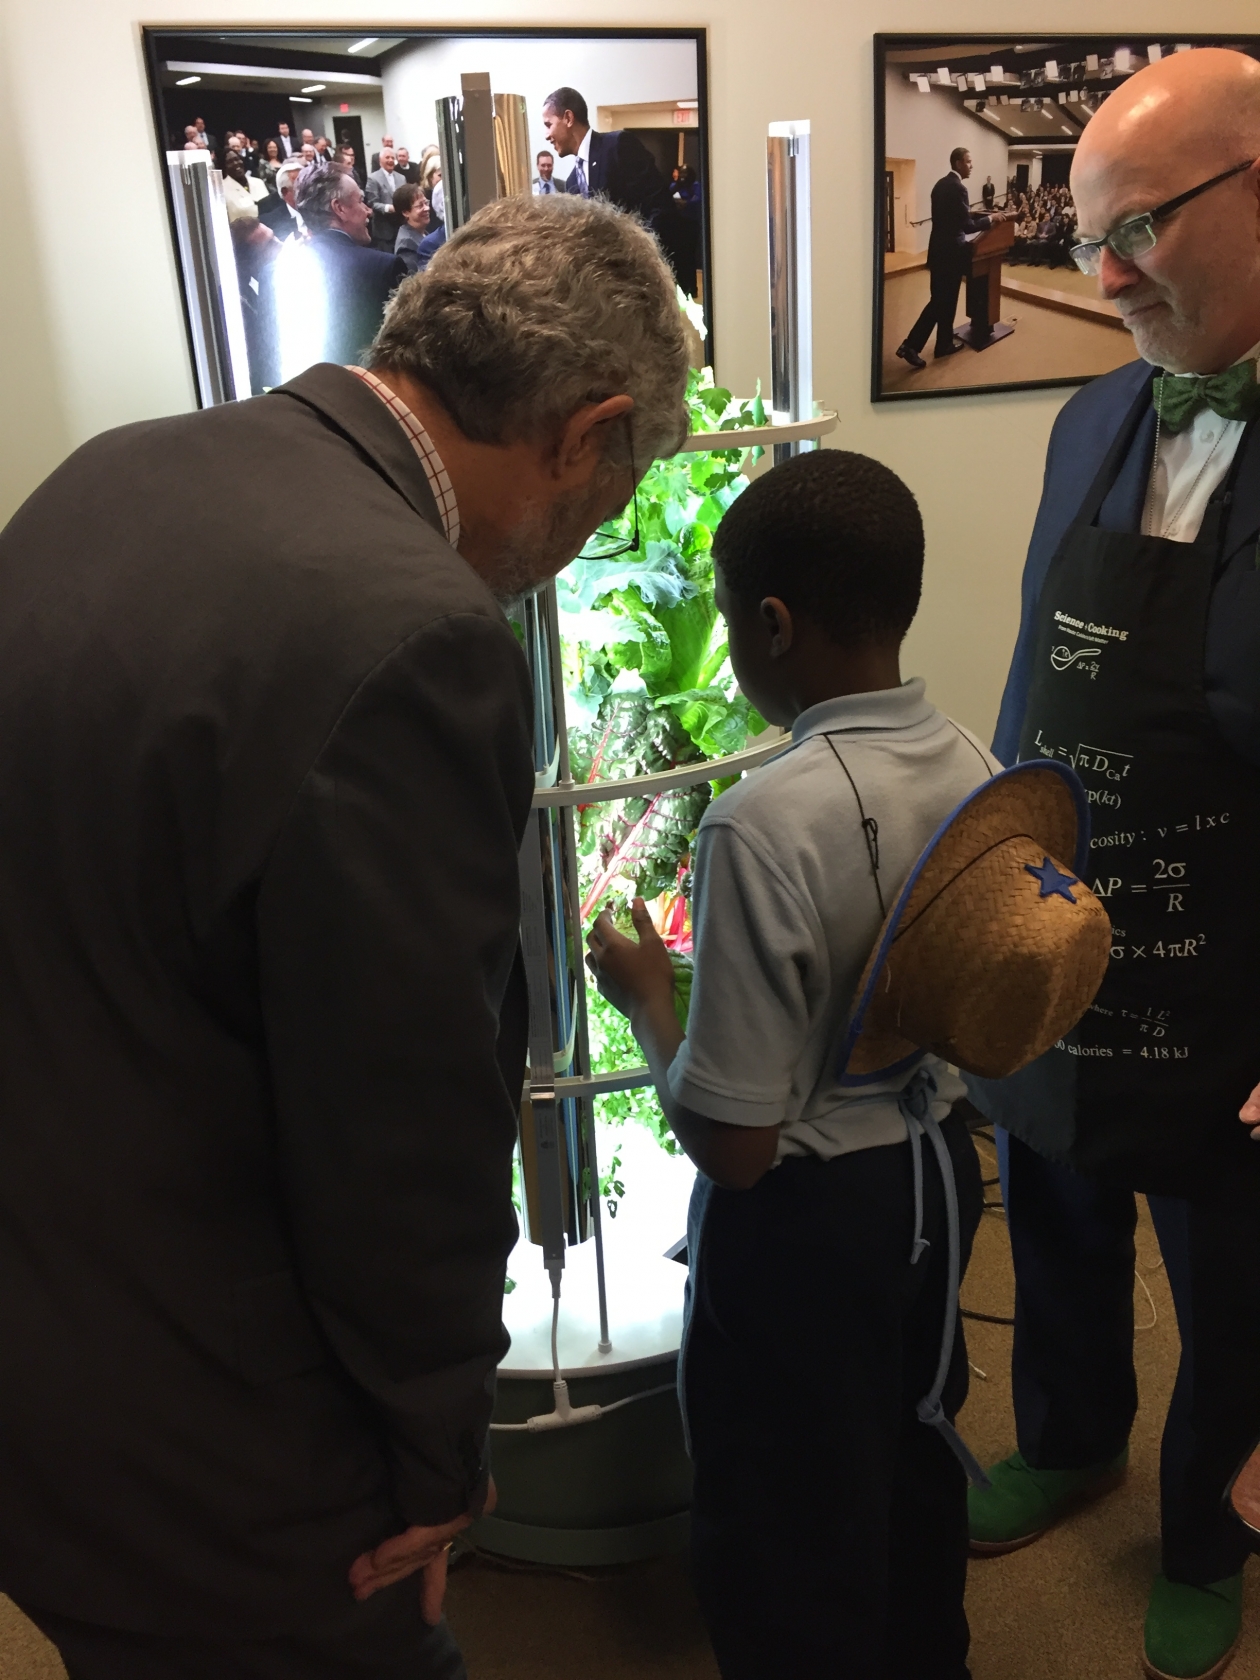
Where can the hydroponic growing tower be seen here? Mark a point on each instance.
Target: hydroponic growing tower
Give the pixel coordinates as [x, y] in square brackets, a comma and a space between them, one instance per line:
[637, 721]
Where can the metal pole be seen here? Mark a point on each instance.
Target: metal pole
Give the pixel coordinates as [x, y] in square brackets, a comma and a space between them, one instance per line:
[791, 303]
[587, 1154]
[205, 248]
[511, 146]
[450, 127]
[479, 154]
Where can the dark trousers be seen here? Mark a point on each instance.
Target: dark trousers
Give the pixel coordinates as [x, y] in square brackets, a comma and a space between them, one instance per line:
[385, 1639]
[829, 1524]
[1072, 1366]
[942, 306]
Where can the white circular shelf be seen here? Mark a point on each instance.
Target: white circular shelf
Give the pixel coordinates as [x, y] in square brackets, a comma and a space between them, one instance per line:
[645, 1299]
[765, 437]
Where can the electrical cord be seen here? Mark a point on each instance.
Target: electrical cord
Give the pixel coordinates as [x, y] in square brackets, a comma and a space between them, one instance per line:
[564, 1415]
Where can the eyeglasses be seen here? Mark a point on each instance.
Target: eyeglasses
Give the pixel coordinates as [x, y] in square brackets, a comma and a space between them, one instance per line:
[1137, 236]
[608, 540]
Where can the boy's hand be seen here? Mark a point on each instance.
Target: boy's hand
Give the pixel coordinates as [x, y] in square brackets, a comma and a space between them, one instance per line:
[627, 974]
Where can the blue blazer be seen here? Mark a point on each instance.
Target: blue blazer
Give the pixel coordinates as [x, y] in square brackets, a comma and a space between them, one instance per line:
[1083, 433]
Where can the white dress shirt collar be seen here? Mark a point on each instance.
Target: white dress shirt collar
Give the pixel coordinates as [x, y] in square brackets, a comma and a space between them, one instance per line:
[1188, 468]
[584, 152]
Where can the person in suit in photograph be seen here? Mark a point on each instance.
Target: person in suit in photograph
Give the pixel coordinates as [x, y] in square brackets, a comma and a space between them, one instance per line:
[285, 142]
[279, 210]
[346, 156]
[379, 189]
[616, 166]
[413, 209]
[545, 182]
[405, 167]
[387, 145]
[354, 281]
[948, 260]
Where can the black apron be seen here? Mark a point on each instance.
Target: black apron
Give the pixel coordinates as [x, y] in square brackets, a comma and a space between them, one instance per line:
[1146, 1090]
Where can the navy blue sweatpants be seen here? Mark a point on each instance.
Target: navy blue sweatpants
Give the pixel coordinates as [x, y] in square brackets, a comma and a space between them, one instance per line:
[1072, 1365]
[829, 1524]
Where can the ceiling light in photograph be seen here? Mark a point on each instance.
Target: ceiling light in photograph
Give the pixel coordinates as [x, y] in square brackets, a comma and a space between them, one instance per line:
[187, 81]
[315, 87]
[296, 99]
[368, 41]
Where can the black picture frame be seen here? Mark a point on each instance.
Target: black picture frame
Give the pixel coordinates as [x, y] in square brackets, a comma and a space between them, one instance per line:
[154, 35]
[1067, 49]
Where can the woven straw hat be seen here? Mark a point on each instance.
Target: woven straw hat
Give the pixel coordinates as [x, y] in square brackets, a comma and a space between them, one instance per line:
[993, 949]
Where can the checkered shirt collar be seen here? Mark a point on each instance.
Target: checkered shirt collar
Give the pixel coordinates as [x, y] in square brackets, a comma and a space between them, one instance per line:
[425, 448]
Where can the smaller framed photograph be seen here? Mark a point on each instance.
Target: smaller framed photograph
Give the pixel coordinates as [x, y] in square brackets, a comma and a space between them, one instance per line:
[975, 285]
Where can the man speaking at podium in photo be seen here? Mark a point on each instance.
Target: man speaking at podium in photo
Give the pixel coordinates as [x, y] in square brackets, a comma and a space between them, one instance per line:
[1138, 660]
[948, 260]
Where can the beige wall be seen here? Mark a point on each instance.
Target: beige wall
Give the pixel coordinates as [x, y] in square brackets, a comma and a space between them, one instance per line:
[91, 333]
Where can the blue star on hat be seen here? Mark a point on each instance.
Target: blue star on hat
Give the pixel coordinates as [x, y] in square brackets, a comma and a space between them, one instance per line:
[1052, 880]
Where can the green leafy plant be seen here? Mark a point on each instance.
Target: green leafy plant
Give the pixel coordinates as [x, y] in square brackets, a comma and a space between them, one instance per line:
[650, 687]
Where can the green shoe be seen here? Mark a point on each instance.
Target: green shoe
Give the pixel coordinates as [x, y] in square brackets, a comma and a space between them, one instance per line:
[1023, 1503]
[1192, 1632]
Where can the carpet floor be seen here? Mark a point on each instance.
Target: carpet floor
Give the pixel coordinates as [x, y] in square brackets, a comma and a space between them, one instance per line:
[1069, 1608]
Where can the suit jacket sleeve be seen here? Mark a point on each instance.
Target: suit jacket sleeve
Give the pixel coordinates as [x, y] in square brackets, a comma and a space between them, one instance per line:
[632, 179]
[970, 223]
[387, 926]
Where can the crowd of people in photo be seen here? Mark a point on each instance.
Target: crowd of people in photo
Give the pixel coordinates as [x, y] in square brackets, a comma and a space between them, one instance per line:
[323, 236]
[263, 182]
[1045, 228]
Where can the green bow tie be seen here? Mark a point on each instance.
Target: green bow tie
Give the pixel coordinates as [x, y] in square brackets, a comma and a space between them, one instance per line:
[1234, 395]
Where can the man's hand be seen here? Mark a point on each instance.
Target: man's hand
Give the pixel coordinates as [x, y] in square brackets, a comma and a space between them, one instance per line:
[629, 975]
[1249, 1113]
[415, 1549]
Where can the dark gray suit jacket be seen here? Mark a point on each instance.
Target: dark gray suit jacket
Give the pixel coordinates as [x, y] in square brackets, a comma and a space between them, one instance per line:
[265, 760]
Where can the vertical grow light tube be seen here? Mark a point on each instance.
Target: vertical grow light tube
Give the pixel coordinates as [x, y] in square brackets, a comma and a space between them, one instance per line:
[791, 298]
[585, 1156]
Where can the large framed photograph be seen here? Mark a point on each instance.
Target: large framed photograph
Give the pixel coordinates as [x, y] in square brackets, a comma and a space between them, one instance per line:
[429, 124]
[975, 286]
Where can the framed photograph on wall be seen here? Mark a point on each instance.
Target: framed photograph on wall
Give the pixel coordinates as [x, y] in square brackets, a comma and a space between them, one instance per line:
[974, 139]
[245, 119]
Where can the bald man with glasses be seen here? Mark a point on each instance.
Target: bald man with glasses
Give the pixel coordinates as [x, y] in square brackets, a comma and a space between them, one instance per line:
[1138, 661]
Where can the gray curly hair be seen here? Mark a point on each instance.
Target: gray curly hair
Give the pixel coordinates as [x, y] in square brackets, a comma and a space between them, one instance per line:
[317, 186]
[535, 307]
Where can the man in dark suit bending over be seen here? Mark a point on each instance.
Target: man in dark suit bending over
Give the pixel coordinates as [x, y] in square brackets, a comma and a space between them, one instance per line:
[948, 260]
[262, 1025]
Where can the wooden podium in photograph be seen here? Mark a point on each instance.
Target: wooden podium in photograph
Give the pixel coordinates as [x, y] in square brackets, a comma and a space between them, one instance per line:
[984, 288]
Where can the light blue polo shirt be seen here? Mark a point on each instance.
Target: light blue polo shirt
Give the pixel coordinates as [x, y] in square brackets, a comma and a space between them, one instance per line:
[785, 914]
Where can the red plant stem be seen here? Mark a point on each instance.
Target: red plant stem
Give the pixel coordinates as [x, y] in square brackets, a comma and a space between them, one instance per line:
[619, 858]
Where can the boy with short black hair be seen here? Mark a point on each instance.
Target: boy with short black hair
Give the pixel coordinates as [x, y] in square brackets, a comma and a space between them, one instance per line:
[829, 1523]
